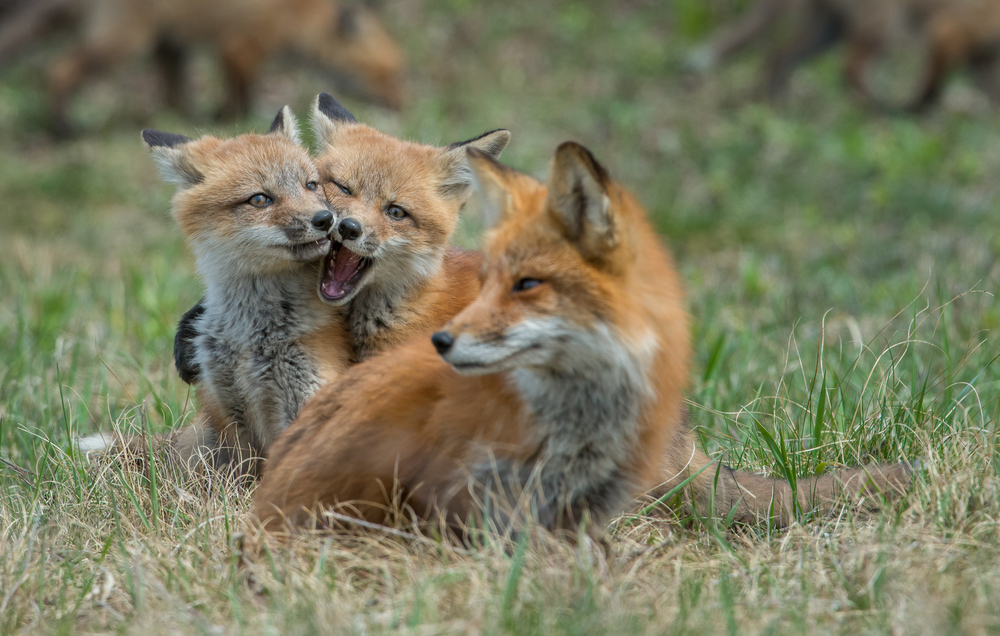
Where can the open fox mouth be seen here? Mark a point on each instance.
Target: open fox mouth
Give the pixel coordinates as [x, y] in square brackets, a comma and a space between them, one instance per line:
[342, 271]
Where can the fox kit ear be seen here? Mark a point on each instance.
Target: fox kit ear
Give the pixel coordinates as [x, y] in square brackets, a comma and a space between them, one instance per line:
[457, 177]
[172, 157]
[489, 180]
[328, 115]
[285, 124]
[578, 197]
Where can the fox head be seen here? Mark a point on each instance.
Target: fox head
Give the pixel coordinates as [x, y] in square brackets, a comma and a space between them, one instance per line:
[253, 202]
[352, 42]
[561, 288]
[397, 201]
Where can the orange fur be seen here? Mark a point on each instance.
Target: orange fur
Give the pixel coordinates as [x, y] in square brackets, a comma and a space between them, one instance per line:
[415, 282]
[252, 209]
[961, 32]
[430, 297]
[560, 389]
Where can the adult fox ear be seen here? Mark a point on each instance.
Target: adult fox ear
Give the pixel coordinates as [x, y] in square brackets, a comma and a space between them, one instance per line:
[285, 124]
[173, 157]
[489, 180]
[327, 116]
[456, 179]
[578, 197]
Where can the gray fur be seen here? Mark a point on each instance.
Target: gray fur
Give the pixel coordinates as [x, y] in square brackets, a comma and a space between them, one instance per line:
[372, 312]
[585, 408]
[381, 306]
[248, 348]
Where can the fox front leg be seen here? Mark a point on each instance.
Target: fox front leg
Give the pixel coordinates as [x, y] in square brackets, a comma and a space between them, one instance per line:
[185, 358]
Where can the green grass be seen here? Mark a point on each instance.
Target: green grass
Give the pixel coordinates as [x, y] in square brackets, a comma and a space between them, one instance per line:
[842, 269]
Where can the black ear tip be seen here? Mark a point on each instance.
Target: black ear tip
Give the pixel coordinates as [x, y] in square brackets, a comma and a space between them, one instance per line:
[158, 138]
[333, 109]
[279, 121]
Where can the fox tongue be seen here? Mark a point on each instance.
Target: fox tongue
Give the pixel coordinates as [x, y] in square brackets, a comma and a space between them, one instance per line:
[339, 272]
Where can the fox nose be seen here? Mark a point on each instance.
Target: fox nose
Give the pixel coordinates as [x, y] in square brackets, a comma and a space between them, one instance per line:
[349, 229]
[323, 220]
[442, 341]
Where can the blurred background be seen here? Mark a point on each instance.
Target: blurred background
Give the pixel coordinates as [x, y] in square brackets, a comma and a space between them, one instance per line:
[805, 215]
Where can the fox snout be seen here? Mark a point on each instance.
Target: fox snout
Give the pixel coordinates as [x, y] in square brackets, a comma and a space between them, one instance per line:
[349, 229]
[309, 227]
[308, 235]
[482, 340]
[476, 354]
[442, 341]
[323, 221]
[357, 235]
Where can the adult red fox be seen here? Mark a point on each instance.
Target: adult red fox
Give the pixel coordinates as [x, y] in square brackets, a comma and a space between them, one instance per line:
[557, 392]
[349, 40]
[958, 32]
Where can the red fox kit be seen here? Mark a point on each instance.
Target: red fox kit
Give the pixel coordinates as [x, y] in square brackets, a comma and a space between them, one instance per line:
[563, 380]
[254, 213]
[392, 267]
[245, 33]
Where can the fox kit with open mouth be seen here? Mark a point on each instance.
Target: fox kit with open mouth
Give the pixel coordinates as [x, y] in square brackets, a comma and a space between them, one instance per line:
[391, 266]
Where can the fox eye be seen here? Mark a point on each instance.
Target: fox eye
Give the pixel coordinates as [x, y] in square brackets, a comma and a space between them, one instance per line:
[260, 200]
[526, 283]
[342, 187]
[311, 185]
[396, 212]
